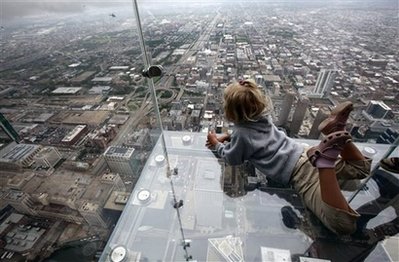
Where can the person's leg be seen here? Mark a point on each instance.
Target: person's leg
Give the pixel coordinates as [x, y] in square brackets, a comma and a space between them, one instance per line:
[351, 152]
[389, 197]
[306, 181]
[330, 191]
[351, 167]
[324, 157]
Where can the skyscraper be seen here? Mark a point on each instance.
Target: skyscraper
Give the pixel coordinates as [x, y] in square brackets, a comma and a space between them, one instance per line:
[8, 129]
[48, 157]
[286, 108]
[324, 82]
[20, 201]
[314, 131]
[227, 249]
[388, 137]
[93, 214]
[300, 111]
[122, 160]
[208, 195]
[378, 109]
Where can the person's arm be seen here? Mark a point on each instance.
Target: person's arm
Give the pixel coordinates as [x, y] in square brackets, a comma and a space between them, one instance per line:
[233, 153]
[213, 139]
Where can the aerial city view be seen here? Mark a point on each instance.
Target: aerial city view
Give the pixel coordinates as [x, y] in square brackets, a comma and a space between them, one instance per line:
[80, 128]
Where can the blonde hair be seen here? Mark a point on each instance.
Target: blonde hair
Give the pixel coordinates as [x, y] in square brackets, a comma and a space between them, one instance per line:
[244, 101]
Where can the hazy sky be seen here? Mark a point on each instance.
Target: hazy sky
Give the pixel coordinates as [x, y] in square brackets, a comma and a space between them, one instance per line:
[14, 9]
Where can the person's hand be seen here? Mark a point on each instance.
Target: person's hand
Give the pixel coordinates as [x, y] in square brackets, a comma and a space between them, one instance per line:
[224, 137]
[212, 139]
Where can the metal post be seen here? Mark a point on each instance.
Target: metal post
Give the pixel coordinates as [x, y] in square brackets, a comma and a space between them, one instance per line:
[146, 62]
[150, 82]
[158, 116]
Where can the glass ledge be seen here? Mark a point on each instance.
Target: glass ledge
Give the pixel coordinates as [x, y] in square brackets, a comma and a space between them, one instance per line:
[221, 220]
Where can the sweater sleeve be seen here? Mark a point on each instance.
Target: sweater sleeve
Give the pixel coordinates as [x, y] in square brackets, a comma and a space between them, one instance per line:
[235, 152]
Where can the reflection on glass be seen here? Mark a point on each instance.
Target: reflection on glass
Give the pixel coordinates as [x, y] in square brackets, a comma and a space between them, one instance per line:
[80, 128]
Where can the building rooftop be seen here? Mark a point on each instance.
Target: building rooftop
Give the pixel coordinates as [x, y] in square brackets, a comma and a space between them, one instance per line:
[23, 238]
[89, 207]
[71, 135]
[272, 78]
[66, 90]
[94, 118]
[119, 68]
[381, 104]
[102, 79]
[15, 152]
[117, 200]
[45, 151]
[119, 119]
[14, 218]
[116, 151]
[99, 89]
[73, 185]
[42, 118]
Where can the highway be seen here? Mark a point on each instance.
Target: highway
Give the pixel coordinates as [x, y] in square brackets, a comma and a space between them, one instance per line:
[164, 83]
[196, 46]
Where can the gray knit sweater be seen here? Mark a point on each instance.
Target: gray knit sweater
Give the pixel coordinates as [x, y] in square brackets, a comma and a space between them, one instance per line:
[266, 147]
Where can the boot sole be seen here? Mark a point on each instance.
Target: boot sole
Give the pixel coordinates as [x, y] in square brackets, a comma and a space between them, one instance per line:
[328, 125]
[389, 168]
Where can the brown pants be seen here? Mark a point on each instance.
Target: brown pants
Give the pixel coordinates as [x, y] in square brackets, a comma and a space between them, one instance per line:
[305, 180]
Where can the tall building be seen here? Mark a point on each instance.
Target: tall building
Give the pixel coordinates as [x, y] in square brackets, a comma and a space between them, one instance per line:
[176, 105]
[275, 254]
[92, 213]
[378, 109]
[73, 136]
[228, 249]
[208, 195]
[299, 114]
[114, 180]
[314, 131]
[101, 137]
[64, 213]
[235, 179]
[8, 129]
[259, 80]
[140, 139]
[121, 160]
[48, 157]
[388, 137]
[324, 82]
[286, 108]
[20, 201]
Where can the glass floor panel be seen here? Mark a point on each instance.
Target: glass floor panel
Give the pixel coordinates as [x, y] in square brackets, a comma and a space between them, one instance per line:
[230, 214]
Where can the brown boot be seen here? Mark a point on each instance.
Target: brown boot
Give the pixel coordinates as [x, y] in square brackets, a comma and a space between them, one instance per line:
[390, 164]
[337, 120]
[326, 153]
